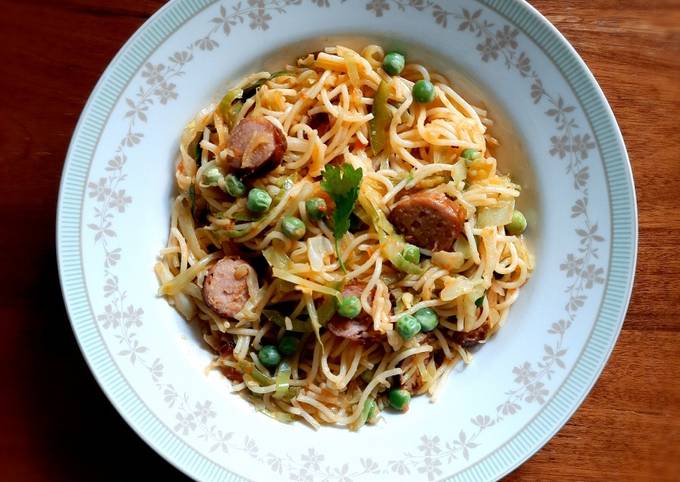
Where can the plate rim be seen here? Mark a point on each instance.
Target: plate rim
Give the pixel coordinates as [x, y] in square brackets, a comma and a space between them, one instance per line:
[195, 464]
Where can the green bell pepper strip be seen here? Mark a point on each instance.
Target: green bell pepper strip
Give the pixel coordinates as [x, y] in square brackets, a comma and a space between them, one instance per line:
[282, 380]
[381, 118]
[249, 368]
[229, 107]
[251, 90]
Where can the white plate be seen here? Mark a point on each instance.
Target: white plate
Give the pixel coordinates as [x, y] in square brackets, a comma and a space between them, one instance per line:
[560, 141]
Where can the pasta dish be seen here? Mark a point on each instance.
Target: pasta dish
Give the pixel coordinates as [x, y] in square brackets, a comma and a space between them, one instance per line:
[342, 235]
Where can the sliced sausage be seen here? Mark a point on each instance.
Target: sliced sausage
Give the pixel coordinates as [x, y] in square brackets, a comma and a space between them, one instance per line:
[225, 288]
[356, 329]
[232, 374]
[428, 220]
[321, 122]
[469, 339]
[257, 146]
[227, 347]
[355, 288]
[226, 350]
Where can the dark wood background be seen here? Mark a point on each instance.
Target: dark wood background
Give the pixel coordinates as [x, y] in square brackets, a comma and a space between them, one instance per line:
[55, 423]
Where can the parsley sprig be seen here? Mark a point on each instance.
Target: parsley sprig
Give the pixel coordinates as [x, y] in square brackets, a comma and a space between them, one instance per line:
[342, 185]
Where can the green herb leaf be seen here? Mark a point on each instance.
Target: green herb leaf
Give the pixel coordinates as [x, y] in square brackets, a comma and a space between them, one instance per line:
[480, 301]
[342, 185]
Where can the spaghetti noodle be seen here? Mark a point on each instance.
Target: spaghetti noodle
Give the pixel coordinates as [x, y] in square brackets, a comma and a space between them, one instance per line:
[342, 235]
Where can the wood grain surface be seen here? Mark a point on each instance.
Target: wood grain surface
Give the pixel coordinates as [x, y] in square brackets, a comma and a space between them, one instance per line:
[55, 423]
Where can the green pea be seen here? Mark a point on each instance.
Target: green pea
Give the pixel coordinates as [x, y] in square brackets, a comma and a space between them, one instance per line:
[293, 227]
[234, 186]
[212, 176]
[367, 376]
[427, 318]
[399, 399]
[470, 154]
[349, 306]
[316, 208]
[411, 254]
[393, 63]
[408, 327]
[517, 225]
[269, 356]
[423, 91]
[288, 344]
[259, 200]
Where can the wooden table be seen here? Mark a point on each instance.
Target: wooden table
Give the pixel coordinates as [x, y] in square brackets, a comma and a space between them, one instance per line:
[55, 422]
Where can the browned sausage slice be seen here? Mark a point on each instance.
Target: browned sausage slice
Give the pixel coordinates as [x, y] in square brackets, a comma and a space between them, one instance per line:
[225, 288]
[469, 339]
[257, 146]
[428, 220]
[321, 122]
[357, 329]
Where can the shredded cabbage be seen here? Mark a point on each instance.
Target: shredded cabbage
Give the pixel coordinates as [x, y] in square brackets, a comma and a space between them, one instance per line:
[303, 283]
[451, 261]
[313, 318]
[352, 68]
[459, 172]
[455, 286]
[318, 247]
[463, 247]
[278, 415]
[499, 215]
[176, 284]
[276, 258]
